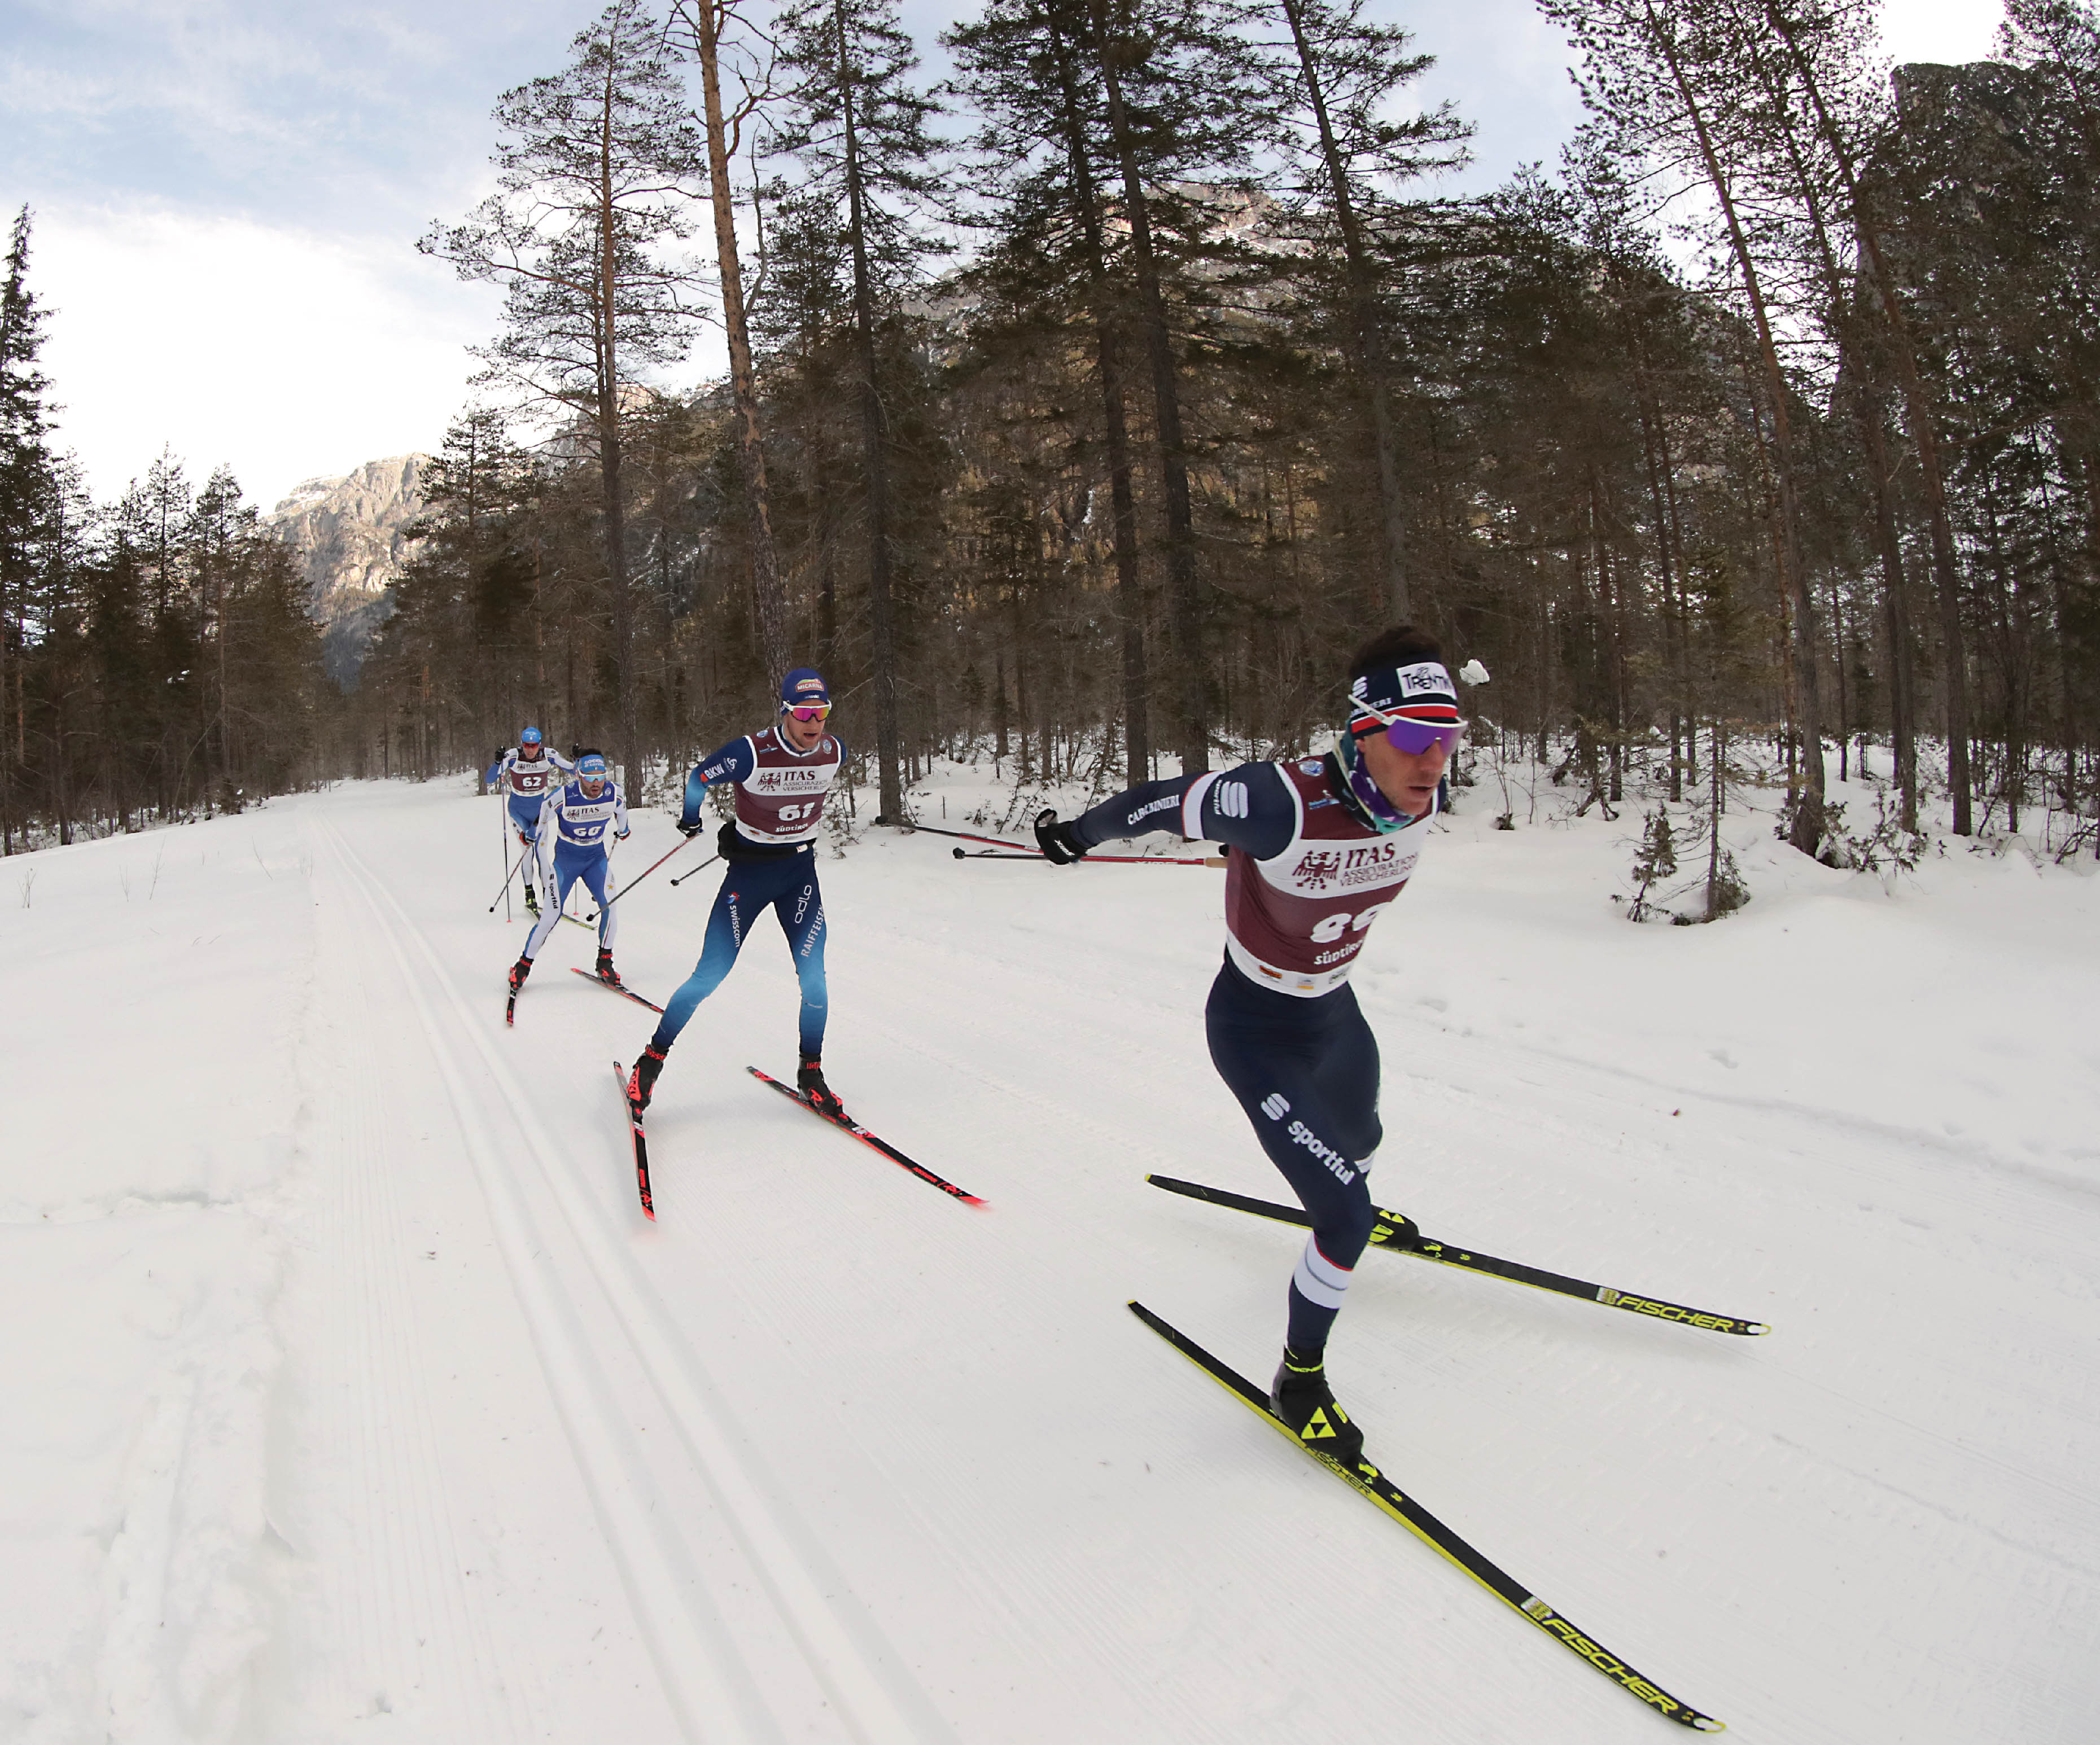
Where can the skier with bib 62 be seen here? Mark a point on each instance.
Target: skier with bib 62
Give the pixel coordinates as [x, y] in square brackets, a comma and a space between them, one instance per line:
[1319, 846]
[528, 772]
[584, 819]
[783, 775]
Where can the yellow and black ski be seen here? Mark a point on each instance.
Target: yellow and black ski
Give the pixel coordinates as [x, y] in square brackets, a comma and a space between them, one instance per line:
[1398, 1234]
[1366, 1479]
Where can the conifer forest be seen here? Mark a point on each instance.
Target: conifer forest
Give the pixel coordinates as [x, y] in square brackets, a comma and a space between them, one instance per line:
[1085, 405]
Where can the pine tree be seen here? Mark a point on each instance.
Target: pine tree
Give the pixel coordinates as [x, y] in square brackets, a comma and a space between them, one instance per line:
[600, 166]
[858, 128]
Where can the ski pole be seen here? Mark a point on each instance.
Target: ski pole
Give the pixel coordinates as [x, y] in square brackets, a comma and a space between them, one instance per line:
[646, 872]
[504, 824]
[963, 835]
[703, 866]
[1124, 860]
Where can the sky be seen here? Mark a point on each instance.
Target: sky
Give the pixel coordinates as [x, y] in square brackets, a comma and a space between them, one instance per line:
[226, 196]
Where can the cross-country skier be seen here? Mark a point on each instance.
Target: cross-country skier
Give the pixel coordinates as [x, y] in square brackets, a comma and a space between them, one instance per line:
[528, 772]
[783, 775]
[1319, 846]
[584, 820]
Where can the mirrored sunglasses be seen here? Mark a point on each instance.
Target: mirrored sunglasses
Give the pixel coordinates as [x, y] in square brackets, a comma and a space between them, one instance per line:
[1408, 735]
[810, 711]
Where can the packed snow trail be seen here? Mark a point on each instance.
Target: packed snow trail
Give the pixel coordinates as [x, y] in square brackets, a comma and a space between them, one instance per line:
[365, 1404]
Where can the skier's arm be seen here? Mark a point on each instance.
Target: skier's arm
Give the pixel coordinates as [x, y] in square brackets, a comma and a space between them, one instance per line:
[618, 814]
[1252, 808]
[560, 762]
[499, 767]
[733, 762]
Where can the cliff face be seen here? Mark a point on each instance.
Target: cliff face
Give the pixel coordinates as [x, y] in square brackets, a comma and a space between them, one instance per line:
[348, 535]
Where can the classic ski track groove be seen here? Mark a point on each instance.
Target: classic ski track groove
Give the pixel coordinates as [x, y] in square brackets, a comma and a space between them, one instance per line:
[871, 1694]
[424, 1630]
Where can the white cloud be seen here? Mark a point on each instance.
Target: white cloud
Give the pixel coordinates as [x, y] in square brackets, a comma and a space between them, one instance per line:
[284, 354]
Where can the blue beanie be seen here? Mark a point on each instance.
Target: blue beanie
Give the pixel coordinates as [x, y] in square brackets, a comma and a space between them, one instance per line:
[804, 687]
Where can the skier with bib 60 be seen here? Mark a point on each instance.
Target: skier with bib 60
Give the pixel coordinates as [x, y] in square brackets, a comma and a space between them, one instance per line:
[782, 776]
[1319, 845]
[528, 772]
[584, 819]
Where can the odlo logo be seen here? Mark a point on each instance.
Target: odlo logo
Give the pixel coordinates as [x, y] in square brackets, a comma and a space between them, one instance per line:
[1275, 1105]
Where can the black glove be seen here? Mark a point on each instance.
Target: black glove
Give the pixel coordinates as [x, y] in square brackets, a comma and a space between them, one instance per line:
[1059, 842]
[690, 828]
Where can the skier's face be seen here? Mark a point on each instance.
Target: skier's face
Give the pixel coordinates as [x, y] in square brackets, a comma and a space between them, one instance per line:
[1408, 779]
[801, 735]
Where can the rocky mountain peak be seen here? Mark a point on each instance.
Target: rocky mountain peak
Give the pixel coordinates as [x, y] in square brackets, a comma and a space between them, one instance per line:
[350, 536]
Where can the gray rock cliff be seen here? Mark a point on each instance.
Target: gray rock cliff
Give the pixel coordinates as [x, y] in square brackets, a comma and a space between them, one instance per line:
[349, 535]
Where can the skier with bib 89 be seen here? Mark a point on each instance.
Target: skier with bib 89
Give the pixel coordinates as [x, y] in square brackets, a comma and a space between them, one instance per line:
[528, 772]
[1319, 846]
[783, 774]
[584, 819]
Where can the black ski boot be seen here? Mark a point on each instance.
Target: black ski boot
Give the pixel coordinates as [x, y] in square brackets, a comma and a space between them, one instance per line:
[1303, 1401]
[809, 1081]
[531, 902]
[642, 1080]
[519, 971]
[605, 972]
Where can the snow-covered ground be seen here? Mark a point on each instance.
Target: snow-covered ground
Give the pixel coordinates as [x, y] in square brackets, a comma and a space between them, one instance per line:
[346, 1395]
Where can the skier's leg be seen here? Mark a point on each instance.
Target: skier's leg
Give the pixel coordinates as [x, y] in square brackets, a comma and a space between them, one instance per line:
[1279, 1064]
[598, 880]
[563, 877]
[800, 908]
[726, 926]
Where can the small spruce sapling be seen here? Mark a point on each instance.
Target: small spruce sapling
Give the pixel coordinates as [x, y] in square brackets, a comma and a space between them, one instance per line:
[1657, 859]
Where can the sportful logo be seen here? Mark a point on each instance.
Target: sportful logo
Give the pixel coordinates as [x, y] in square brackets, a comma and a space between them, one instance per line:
[1337, 1165]
[1230, 799]
[1275, 1105]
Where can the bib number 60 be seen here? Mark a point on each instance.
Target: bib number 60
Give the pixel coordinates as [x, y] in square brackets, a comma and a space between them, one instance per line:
[1332, 927]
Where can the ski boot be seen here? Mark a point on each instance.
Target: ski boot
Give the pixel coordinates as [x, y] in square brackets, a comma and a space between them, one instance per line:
[1303, 1399]
[519, 971]
[531, 902]
[605, 971]
[642, 1080]
[809, 1081]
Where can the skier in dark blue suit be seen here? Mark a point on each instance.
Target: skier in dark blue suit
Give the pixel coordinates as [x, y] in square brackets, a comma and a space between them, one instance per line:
[1319, 846]
[782, 776]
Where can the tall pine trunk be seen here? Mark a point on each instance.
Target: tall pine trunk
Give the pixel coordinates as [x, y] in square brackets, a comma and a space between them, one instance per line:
[768, 598]
[875, 456]
[1368, 329]
[1185, 617]
[1130, 595]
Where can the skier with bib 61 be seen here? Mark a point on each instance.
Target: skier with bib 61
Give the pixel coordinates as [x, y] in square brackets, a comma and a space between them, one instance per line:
[528, 772]
[584, 819]
[1318, 847]
[783, 775]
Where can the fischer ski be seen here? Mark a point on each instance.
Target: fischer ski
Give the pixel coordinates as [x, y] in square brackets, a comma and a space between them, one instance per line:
[1366, 1479]
[619, 1077]
[616, 987]
[847, 1124]
[1398, 1234]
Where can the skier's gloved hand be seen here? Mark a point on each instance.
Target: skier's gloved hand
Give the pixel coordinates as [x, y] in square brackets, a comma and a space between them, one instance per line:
[621, 835]
[1059, 842]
